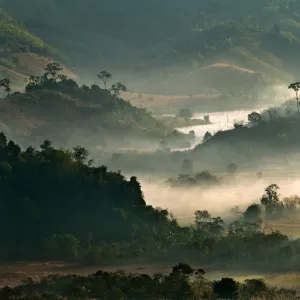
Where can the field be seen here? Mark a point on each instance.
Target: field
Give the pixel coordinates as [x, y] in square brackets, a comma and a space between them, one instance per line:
[159, 101]
[15, 274]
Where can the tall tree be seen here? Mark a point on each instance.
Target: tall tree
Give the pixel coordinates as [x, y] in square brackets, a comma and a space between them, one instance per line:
[104, 76]
[296, 87]
[5, 83]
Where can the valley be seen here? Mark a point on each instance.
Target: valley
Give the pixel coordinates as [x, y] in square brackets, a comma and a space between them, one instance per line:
[149, 150]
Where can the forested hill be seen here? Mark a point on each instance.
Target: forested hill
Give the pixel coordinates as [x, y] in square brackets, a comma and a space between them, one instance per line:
[154, 44]
[63, 186]
[56, 107]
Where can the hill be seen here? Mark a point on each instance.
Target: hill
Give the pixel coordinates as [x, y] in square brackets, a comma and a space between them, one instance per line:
[169, 48]
[23, 53]
[229, 57]
[268, 142]
[57, 108]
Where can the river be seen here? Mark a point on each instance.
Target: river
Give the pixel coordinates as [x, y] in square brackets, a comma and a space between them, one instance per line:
[219, 121]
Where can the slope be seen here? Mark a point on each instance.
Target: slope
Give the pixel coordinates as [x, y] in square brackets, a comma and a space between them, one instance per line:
[152, 46]
[55, 107]
[23, 53]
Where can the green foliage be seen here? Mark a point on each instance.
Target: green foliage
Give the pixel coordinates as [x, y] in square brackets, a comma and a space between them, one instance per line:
[80, 219]
[15, 37]
[89, 195]
[119, 285]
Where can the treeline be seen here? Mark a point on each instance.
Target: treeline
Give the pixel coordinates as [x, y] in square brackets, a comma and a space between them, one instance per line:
[53, 199]
[182, 283]
[57, 205]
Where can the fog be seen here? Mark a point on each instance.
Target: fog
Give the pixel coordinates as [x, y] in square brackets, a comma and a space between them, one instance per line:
[219, 121]
[245, 190]
[276, 94]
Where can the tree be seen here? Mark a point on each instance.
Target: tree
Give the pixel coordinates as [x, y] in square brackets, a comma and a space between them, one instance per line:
[118, 88]
[46, 145]
[183, 268]
[253, 213]
[255, 118]
[5, 83]
[270, 200]
[104, 76]
[207, 136]
[226, 288]
[192, 133]
[232, 169]
[295, 86]
[201, 216]
[80, 154]
[185, 113]
[206, 119]
[52, 69]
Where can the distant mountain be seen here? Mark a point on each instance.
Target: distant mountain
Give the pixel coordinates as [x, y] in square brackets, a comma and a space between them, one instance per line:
[163, 47]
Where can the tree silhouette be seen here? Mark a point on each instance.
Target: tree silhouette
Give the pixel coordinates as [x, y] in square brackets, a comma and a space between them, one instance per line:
[295, 86]
[255, 118]
[207, 136]
[226, 288]
[270, 200]
[118, 88]
[5, 83]
[232, 169]
[104, 76]
[52, 69]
